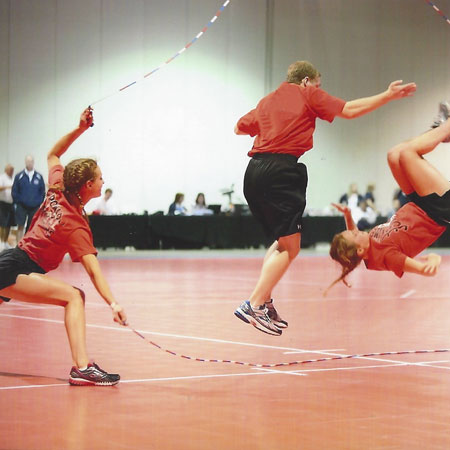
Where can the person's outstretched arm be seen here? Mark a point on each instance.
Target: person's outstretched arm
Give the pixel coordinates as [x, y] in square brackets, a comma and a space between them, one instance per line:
[66, 141]
[344, 209]
[92, 267]
[428, 267]
[361, 106]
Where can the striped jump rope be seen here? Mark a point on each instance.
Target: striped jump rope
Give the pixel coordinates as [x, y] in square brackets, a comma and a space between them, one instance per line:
[178, 53]
[283, 364]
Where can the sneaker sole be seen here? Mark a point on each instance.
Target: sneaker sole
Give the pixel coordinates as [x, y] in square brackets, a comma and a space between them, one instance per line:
[280, 324]
[83, 382]
[241, 315]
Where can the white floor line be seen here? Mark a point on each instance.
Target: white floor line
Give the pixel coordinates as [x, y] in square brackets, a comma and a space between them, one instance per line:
[302, 371]
[32, 386]
[143, 380]
[281, 372]
[408, 293]
[316, 351]
[155, 333]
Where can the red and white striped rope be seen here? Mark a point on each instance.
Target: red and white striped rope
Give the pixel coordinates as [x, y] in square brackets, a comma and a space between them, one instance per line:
[438, 11]
[291, 363]
[178, 53]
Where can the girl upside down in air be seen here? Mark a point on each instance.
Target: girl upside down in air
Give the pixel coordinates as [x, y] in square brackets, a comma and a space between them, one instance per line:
[393, 245]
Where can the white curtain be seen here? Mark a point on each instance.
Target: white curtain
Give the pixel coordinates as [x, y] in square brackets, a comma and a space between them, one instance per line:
[173, 132]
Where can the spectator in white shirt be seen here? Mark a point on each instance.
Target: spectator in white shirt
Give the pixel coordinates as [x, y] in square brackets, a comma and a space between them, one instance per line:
[200, 208]
[6, 205]
[105, 206]
[364, 216]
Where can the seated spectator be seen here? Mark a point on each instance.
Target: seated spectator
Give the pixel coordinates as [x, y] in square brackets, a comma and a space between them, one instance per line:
[177, 208]
[370, 196]
[104, 206]
[200, 208]
[399, 199]
[352, 197]
[364, 216]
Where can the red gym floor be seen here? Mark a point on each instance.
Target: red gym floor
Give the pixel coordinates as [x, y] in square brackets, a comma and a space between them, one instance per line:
[185, 302]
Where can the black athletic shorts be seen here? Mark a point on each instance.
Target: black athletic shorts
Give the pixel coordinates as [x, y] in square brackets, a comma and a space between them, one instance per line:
[6, 215]
[275, 189]
[14, 262]
[438, 208]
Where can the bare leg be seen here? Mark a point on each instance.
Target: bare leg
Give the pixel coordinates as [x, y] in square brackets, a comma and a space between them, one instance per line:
[414, 173]
[4, 233]
[273, 248]
[20, 232]
[277, 260]
[37, 288]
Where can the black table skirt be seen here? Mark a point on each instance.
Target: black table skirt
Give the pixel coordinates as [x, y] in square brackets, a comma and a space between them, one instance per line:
[218, 231]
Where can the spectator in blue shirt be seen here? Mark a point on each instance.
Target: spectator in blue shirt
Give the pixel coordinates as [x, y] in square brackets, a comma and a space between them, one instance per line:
[28, 192]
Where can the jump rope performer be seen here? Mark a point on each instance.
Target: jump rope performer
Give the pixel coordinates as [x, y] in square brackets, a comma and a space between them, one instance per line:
[394, 245]
[275, 184]
[61, 226]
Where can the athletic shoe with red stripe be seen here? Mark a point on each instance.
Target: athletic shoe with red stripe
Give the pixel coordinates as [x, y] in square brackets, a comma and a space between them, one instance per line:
[93, 375]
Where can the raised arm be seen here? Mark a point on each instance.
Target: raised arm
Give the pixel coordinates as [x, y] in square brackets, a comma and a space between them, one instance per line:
[86, 120]
[428, 267]
[344, 209]
[361, 106]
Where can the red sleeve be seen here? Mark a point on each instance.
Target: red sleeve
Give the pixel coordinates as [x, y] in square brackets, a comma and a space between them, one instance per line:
[80, 244]
[55, 175]
[324, 105]
[395, 262]
[248, 123]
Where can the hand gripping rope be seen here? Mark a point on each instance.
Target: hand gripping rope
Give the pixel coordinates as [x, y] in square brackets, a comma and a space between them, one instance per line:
[189, 44]
[438, 11]
[292, 363]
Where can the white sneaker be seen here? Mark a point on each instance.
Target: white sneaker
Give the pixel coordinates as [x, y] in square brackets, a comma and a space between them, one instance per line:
[258, 318]
[443, 115]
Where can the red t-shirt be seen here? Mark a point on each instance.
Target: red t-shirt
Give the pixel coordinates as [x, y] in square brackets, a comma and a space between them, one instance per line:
[57, 228]
[284, 121]
[408, 232]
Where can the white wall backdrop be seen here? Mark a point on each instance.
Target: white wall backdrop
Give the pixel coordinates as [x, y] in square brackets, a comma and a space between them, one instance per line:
[173, 132]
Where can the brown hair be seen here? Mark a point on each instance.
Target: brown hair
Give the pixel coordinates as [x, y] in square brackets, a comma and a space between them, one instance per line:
[77, 173]
[178, 197]
[298, 70]
[346, 255]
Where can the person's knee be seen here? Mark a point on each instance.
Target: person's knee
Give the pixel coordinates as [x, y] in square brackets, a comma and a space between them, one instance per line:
[82, 294]
[293, 252]
[406, 158]
[290, 244]
[75, 296]
[393, 155]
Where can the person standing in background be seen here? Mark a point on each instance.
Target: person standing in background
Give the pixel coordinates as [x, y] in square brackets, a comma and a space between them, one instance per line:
[6, 205]
[28, 192]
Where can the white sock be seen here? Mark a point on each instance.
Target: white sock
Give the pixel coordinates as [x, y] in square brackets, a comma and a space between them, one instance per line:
[257, 308]
[82, 368]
